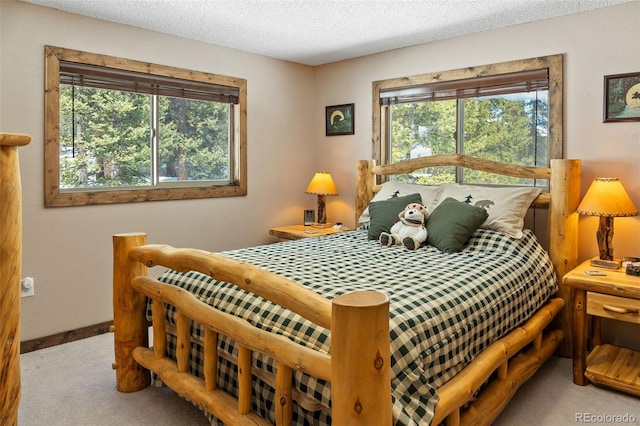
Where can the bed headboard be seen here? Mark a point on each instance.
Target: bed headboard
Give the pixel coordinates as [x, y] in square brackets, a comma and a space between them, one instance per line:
[562, 200]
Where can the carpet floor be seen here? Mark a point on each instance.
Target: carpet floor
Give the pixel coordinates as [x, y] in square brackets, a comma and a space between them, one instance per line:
[73, 385]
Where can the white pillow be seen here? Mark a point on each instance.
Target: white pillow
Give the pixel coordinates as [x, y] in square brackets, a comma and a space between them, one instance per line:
[430, 195]
[507, 206]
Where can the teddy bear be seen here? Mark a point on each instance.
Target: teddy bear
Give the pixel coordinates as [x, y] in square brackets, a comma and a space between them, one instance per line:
[409, 230]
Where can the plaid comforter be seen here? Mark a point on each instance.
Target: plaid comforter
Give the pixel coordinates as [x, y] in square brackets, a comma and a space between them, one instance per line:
[445, 309]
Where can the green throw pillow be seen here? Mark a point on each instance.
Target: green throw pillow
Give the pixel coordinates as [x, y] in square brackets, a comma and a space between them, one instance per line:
[385, 213]
[452, 223]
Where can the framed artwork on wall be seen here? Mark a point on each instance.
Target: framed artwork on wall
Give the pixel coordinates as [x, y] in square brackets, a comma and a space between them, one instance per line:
[339, 120]
[622, 97]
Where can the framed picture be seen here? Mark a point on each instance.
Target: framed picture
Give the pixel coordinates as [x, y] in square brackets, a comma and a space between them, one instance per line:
[622, 97]
[309, 217]
[339, 120]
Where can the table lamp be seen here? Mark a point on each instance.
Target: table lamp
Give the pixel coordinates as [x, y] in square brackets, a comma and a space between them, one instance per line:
[607, 199]
[322, 185]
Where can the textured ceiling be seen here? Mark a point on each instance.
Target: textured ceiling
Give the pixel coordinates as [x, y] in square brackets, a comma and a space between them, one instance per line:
[315, 32]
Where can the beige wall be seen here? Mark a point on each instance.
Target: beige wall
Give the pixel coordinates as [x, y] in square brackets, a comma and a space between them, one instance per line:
[68, 250]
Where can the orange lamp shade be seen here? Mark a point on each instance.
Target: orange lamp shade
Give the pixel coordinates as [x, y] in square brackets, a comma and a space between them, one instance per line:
[322, 184]
[607, 197]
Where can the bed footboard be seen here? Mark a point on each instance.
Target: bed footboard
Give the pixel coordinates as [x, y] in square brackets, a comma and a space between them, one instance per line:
[358, 368]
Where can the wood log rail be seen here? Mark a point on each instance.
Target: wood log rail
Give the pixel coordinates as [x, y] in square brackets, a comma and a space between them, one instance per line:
[279, 290]
[358, 369]
[511, 366]
[10, 272]
[367, 170]
[461, 160]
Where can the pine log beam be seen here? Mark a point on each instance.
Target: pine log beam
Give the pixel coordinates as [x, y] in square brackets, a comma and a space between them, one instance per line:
[159, 322]
[244, 380]
[361, 359]
[13, 140]
[10, 272]
[461, 160]
[364, 187]
[211, 359]
[579, 336]
[563, 236]
[183, 341]
[278, 289]
[284, 395]
[129, 321]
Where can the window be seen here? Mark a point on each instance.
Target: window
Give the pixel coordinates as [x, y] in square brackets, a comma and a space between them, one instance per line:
[509, 112]
[120, 131]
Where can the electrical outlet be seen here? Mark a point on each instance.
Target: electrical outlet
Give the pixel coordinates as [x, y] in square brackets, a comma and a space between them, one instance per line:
[27, 287]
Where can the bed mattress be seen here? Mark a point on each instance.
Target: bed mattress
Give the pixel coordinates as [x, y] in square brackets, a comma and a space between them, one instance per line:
[445, 308]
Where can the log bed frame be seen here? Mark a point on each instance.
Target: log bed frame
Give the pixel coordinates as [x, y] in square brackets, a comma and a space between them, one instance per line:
[360, 379]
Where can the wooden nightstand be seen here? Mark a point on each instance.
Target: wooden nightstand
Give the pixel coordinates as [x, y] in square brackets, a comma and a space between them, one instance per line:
[615, 296]
[297, 232]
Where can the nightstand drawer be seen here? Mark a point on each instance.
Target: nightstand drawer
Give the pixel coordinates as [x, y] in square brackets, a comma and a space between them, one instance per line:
[618, 308]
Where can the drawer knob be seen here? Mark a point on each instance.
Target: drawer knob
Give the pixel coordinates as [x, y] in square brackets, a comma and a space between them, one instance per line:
[619, 310]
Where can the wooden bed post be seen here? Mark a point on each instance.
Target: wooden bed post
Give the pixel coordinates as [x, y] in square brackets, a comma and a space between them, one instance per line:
[364, 186]
[563, 236]
[360, 359]
[10, 271]
[130, 325]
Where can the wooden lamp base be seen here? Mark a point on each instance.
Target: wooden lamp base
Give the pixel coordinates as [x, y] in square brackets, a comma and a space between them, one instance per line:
[322, 214]
[322, 225]
[604, 235]
[608, 264]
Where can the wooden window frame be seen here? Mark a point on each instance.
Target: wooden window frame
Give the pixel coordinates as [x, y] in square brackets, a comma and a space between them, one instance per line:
[554, 64]
[54, 197]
